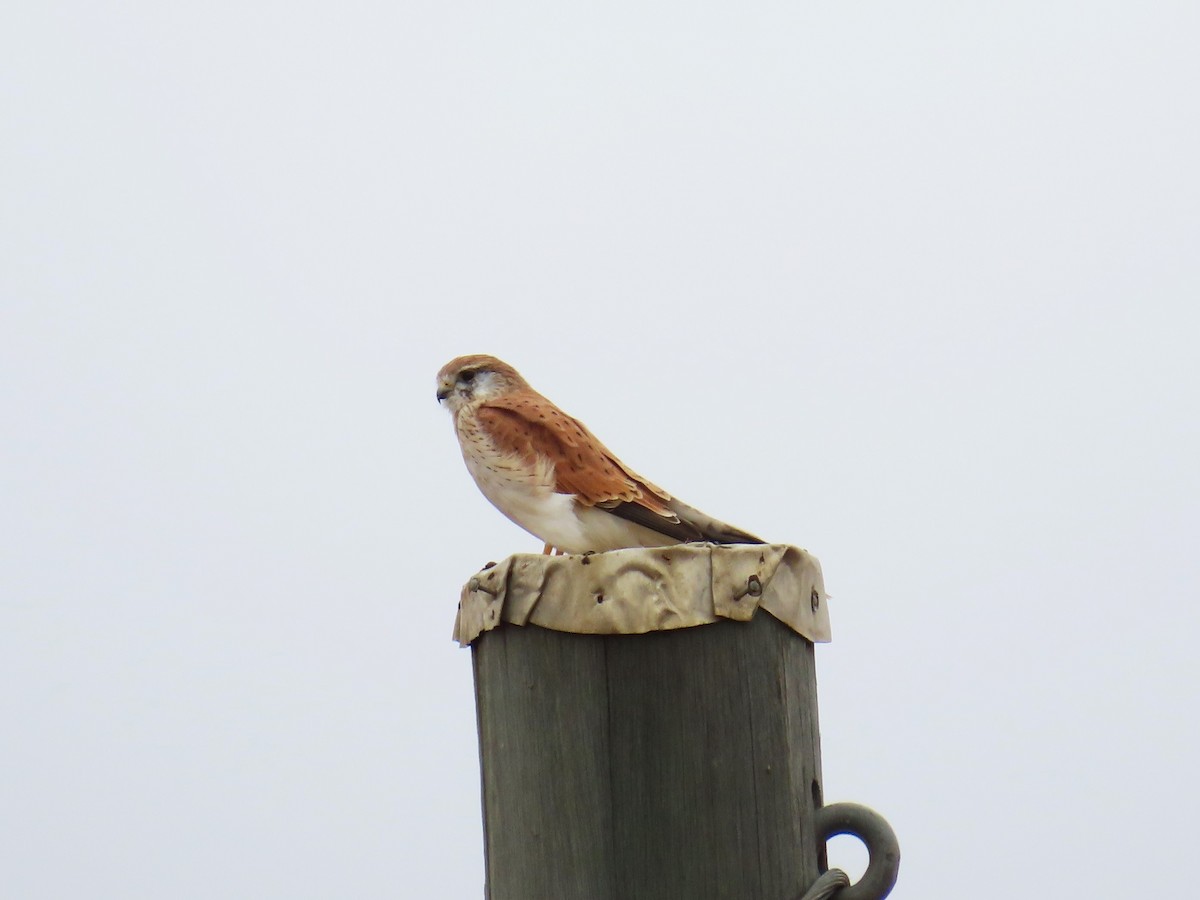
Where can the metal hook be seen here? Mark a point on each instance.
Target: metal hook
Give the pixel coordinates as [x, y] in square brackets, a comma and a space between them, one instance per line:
[873, 830]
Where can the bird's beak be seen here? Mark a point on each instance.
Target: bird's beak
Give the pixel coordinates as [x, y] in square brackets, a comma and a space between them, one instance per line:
[442, 394]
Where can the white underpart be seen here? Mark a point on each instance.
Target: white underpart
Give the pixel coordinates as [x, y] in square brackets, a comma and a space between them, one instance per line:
[603, 530]
[526, 495]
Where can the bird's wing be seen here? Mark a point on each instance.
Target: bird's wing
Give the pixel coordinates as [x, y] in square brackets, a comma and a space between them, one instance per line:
[527, 424]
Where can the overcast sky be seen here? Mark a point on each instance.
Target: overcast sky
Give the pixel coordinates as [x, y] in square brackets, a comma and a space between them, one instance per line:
[914, 286]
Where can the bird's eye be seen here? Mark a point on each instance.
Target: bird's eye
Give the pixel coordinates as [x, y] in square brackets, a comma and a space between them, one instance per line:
[467, 376]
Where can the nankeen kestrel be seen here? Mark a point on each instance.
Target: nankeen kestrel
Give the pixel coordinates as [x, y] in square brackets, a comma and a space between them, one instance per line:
[549, 474]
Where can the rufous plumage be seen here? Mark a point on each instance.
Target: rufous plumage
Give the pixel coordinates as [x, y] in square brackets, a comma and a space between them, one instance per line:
[546, 472]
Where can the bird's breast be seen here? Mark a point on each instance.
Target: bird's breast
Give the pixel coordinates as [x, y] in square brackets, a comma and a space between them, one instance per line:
[495, 468]
[522, 487]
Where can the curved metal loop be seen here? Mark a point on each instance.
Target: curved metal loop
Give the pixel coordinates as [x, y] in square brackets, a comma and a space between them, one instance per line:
[873, 830]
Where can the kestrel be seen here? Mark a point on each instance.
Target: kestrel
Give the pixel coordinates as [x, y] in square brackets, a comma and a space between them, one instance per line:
[549, 474]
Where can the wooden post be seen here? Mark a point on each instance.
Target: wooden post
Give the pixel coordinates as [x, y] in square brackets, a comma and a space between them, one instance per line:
[675, 765]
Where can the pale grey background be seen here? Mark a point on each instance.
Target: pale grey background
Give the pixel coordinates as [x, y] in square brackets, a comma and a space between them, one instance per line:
[911, 285]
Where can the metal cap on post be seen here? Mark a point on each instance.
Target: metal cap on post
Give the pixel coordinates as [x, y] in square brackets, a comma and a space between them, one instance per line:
[650, 728]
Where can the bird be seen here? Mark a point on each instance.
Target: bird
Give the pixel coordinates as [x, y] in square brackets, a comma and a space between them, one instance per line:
[550, 475]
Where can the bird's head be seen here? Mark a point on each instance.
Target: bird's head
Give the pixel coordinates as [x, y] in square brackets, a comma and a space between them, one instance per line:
[471, 380]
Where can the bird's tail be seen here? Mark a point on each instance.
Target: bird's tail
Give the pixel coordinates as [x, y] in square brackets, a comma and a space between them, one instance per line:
[711, 529]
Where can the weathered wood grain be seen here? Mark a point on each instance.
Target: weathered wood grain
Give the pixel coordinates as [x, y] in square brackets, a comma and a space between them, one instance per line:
[681, 764]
